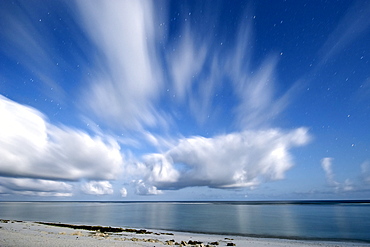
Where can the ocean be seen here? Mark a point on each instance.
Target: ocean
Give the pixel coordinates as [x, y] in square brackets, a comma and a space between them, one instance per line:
[312, 220]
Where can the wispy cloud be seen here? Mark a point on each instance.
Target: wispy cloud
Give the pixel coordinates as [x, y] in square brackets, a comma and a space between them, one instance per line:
[28, 40]
[125, 76]
[186, 62]
[195, 73]
[256, 93]
[326, 164]
[354, 24]
[32, 147]
[128, 79]
[255, 85]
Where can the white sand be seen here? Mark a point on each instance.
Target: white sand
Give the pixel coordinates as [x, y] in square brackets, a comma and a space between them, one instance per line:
[31, 234]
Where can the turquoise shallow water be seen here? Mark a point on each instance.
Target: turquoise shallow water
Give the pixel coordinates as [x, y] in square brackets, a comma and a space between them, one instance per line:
[341, 221]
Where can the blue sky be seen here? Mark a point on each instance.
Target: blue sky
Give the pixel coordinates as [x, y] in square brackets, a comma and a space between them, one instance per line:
[184, 100]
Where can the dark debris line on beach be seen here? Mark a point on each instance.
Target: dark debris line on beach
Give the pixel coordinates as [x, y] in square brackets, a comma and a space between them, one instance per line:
[100, 228]
[103, 229]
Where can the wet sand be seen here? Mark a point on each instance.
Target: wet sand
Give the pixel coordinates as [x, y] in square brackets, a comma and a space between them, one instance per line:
[23, 233]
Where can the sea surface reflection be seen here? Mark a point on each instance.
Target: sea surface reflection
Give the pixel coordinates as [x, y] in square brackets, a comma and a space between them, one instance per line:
[330, 221]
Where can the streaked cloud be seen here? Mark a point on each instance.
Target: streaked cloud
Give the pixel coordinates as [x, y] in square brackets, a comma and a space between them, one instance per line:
[125, 77]
[258, 104]
[186, 62]
[355, 23]
[27, 40]
[35, 187]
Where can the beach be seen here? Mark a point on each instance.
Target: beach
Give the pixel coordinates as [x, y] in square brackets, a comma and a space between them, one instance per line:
[27, 233]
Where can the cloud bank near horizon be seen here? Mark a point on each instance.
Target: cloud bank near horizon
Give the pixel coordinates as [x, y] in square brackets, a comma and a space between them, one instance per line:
[35, 153]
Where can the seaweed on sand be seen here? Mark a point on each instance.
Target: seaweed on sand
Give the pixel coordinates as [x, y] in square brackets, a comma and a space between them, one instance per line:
[97, 228]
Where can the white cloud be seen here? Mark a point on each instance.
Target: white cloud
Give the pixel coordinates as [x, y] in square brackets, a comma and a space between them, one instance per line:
[141, 188]
[125, 77]
[31, 147]
[161, 168]
[326, 164]
[97, 188]
[34, 184]
[202, 101]
[38, 187]
[242, 159]
[256, 96]
[348, 185]
[123, 192]
[46, 194]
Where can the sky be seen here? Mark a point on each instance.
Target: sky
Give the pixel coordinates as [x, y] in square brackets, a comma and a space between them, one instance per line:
[184, 100]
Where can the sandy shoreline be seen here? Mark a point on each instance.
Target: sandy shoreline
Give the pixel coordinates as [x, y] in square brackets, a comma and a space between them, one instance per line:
[23, 233]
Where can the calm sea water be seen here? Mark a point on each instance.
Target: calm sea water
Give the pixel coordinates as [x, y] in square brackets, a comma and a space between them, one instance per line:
[315, 220]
